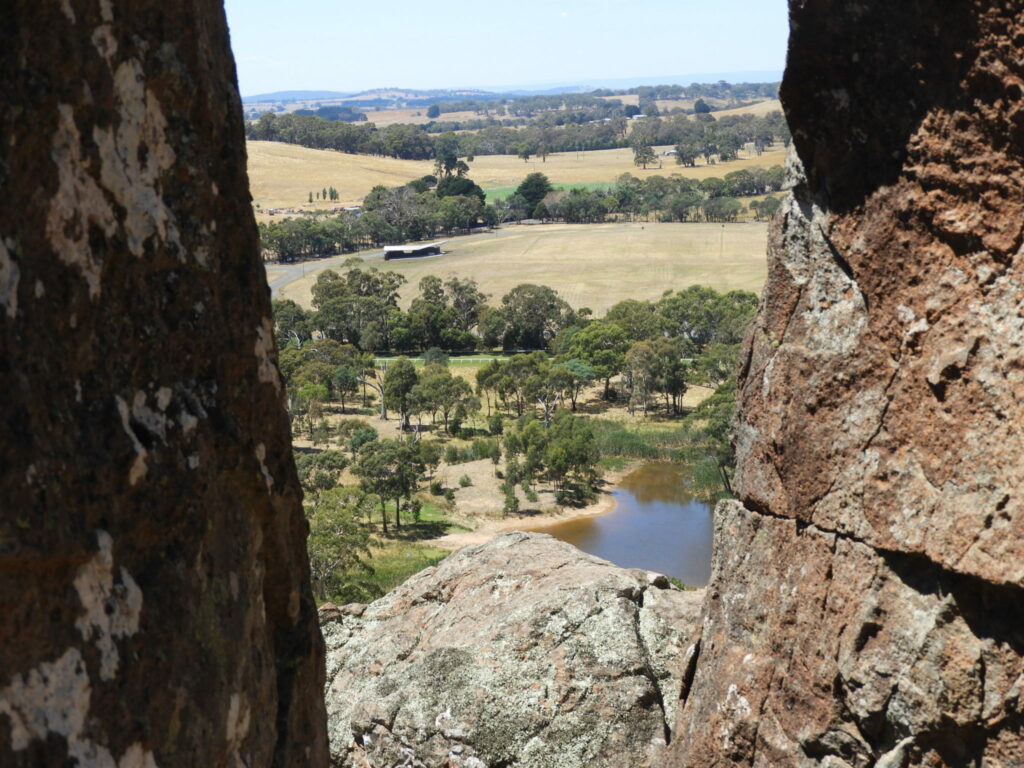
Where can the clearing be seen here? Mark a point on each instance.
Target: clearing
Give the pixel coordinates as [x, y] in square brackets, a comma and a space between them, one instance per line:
[590, 265]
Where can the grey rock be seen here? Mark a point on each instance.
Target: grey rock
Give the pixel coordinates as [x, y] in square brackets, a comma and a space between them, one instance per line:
[523, 652]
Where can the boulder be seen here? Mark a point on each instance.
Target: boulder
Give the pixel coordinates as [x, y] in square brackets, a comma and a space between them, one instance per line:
[522, 652]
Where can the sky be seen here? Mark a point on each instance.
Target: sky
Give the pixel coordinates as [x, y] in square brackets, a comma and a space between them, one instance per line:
[340, 45]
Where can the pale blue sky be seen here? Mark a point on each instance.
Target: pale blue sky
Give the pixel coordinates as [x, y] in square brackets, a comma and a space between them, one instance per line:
[349, 46]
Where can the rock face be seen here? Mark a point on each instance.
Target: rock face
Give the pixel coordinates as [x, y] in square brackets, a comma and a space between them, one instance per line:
[153, 575]
[522, 652]
[865, 607]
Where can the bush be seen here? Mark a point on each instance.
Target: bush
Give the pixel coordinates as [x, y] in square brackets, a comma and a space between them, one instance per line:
[449, 494]
[436, 488]
[531, 496]
[486, 449]
[452, 455]
[360, 437]
[435, 356]
[465, 481]
[496, 425]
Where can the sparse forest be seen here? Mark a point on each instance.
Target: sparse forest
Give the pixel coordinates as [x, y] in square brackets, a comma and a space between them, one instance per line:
[530, 409]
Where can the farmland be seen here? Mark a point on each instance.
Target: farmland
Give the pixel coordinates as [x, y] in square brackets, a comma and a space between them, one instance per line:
[282, 175]
[593, 265]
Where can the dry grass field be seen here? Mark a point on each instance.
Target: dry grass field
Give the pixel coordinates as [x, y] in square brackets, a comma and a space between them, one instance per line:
[760, 109]
[604, 165]
[593, 265]
[282, 175]
[416, 116]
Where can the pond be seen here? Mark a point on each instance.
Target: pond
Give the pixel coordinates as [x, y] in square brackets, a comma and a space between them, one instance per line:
[656, 525]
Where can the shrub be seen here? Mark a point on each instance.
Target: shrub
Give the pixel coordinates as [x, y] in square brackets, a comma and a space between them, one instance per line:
[496, 425]
[360, 437]
[486, 449]
[435, 356]
[436, 488]
[465, 481]
[452, 455]
[449, 494]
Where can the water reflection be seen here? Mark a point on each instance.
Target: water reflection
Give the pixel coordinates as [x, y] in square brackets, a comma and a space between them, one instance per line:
[656, 525]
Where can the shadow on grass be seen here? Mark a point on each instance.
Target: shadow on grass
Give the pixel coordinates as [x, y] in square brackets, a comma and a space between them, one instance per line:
[420, 531]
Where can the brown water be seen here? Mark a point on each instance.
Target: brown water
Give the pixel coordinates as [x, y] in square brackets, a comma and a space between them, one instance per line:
[656, 525]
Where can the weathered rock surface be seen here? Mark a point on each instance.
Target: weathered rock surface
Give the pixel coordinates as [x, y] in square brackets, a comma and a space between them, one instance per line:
[865, 603]
[522, 652]
[153, 578]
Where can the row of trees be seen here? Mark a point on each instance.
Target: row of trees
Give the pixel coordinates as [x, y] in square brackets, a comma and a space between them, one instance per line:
[327, 353]
[429, 206]
[360, 308]
[701, 135]
[663, 198]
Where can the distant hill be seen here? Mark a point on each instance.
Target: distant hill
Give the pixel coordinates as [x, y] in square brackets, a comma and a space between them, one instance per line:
[403, 95]
[396, 94]
[406, 94]
[295, 96]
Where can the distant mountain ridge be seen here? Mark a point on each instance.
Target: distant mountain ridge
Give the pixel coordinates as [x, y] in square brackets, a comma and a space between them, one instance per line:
[377, 94]
[535, 89]
[295, 96]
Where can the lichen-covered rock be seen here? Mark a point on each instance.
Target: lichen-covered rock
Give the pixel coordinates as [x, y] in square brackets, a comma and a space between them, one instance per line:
[864, 607]
[523, 652]
[154, 589]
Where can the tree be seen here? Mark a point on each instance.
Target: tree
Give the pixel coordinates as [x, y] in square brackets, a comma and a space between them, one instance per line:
[643, 155]
[438, 390]
[533, 189]
[435, 356]
[580, 375]
[433, 111]
[446, 154]
[723, 209]
[701, 107]
[390, 469]
[466, 301]
[532, 315]
[452, 186]
[603, 346]
[571, 456]
[338, 543]
[291, 322]
[640, 366]
[638, 319]
[346, 382]
[687, 152]
[399, 379]
[766, 208]
[717, 364]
